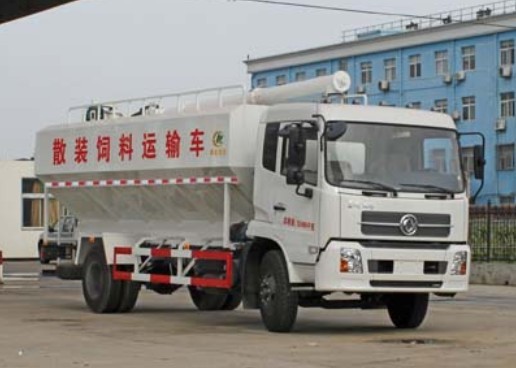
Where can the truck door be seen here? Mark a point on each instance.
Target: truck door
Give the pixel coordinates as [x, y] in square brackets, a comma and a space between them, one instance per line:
[296, 216]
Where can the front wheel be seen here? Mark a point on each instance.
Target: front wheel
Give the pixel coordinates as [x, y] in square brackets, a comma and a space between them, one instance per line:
[101, 292]
[278, 303]
[407, 311]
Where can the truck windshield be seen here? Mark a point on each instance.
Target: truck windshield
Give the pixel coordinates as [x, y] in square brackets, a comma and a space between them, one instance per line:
[393, 158]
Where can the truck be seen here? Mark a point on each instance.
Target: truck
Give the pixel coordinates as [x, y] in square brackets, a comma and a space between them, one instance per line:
[59, 242]
[301, 195]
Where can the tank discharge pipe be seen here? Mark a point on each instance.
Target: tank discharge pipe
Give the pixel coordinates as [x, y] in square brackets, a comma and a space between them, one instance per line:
[337, 83]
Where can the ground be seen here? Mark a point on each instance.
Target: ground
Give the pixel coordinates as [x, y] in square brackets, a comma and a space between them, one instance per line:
[45, 323]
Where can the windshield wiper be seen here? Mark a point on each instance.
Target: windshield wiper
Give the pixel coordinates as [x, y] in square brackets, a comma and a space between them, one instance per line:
[375, 184]
[434, 188]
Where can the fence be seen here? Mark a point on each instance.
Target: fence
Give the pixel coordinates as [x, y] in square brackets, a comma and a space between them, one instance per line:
[492, 233]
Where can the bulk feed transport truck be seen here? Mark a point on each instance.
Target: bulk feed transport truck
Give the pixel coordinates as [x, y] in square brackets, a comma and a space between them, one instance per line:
[254, 197]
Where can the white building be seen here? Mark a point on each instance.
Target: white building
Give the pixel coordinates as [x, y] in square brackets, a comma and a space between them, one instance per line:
[21, 210]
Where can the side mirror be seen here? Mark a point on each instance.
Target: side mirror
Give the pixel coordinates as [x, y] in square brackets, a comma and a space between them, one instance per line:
[335, 130]
[479, 162]
[296, 153]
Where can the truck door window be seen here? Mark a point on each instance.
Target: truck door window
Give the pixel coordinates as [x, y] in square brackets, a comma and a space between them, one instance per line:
[311, 164]
[270, 146]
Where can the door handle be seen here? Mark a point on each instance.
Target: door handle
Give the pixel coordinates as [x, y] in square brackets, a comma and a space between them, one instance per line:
[280, 207]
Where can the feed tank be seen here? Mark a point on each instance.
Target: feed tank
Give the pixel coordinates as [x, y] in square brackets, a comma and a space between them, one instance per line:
[169, 146]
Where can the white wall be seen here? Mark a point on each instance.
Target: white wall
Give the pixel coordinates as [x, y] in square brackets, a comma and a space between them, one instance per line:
[14, 241]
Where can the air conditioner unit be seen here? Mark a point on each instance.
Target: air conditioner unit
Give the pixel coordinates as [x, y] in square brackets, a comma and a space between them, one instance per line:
[447, 79]
[384, 85]
[455, 115]
[506, 71]
[501, 125]
[460, 75]
[361, 89]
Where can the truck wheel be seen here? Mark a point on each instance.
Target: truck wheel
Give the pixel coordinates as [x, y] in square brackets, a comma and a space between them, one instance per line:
[278, 303]
[206, 301]
[128, 296]
[101, 292]
[233, 299]
[407, 310]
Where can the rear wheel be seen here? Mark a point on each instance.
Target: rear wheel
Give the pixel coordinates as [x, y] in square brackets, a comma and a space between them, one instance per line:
[101, 292]
[128, 296]
[233, 299]
[278, 303]
[407, 311]
[206, 300]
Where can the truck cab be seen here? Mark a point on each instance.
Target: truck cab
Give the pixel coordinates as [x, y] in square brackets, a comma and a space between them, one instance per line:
[363, 200]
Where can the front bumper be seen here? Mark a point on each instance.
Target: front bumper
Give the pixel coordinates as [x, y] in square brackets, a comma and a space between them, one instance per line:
[409, 273]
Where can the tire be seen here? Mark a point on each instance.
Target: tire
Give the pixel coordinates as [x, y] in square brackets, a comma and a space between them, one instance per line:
[233, 300]
[407, 311]
[101, 292]
[68, 271]
[206, 301]
[128, 296]
[278, 303]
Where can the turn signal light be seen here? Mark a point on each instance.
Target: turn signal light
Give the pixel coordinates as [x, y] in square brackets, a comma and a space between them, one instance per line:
[350, 261]
[459, 265]
[344, 266]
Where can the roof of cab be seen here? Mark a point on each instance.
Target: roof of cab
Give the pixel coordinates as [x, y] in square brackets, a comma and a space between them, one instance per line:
[359, 113]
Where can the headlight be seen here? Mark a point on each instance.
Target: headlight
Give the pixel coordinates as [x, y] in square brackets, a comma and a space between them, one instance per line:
[351, 261]
[460, 264]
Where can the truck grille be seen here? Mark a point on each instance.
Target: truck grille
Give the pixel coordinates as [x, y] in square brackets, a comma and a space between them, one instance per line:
[389, 224]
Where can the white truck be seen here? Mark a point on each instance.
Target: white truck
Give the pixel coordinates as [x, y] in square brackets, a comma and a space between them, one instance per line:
[256, 197]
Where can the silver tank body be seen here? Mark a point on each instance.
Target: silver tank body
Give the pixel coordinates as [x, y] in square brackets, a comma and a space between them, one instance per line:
[219, 142]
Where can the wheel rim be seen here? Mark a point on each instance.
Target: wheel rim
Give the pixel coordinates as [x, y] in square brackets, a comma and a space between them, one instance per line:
[94, 280]
[267, 290]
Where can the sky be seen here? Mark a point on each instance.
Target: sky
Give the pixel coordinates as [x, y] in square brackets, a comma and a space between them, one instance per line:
[99, 50]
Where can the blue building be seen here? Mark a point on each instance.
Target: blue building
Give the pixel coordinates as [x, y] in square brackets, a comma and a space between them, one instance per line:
[459, 62]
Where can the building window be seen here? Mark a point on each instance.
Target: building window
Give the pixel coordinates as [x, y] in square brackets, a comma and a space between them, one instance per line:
[281, 80]
[438, 160]
[468, 162]
[366, 69]
[441, 106]
[507, 52]
[300, 76]
[507, 104]
[390, 69]
[261, 83]
[415, 66]
[343, 65]
[441, 63]
[468, 108]
[468, 58]
[505, 157]
[321, 72]
[32, 196]
[506, 199]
